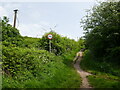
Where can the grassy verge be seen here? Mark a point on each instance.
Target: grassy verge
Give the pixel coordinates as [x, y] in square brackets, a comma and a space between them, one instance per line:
[102, 82]
[38, 69]
[64, 78]
[105, 75]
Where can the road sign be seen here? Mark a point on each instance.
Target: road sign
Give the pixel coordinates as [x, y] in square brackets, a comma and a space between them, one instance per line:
[50, 36]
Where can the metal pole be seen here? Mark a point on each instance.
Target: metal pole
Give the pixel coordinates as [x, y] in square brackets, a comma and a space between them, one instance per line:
[50, 46]
[15, 16]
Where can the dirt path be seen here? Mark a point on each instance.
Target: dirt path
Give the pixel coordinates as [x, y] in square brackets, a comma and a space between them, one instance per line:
[83, 74]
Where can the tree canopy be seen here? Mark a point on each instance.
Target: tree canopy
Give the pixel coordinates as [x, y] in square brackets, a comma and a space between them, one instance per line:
[102, 26]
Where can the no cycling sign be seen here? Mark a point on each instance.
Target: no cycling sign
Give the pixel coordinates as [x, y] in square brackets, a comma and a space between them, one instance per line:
[50, 36]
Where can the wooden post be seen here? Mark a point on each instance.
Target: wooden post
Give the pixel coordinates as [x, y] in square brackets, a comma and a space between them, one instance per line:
[50, 46]
[15, 16]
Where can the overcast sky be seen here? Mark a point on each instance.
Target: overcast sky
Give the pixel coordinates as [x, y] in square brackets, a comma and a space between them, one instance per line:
[36, 18]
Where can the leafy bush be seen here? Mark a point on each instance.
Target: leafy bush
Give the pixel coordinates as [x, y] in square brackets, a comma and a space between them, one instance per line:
[90, 63]
[28, 64]
[59, 44]
[10, 35]
[31, 42]
[18, 59]
[102, 31]
[113, 54]
[105, 74]
[32, 68]
[100, 82]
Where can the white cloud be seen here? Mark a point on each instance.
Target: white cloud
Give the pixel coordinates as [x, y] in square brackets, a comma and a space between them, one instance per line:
[38, 30]
[34, 30]
[31, 24]
[6, 9]
[11, 5]
[36, 15]
[3, 12]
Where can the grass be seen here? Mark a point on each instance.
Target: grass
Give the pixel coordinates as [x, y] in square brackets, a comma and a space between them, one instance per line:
[38, 68]
[31, 42]
[105, 75]
[61, 75]
[63, 78]
[102, 82]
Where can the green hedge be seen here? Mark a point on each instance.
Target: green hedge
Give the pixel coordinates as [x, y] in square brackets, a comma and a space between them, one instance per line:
[32, 68]
[59, 44]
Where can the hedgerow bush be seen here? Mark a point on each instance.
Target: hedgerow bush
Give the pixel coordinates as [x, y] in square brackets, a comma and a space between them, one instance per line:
[10, 35]
[105, 74]
[17, 59]
[32, 68]
[28, 64]
[59, 44]
[102, 31]
[30, 42]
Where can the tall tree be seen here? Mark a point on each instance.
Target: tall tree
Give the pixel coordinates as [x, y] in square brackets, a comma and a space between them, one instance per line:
[102, 26]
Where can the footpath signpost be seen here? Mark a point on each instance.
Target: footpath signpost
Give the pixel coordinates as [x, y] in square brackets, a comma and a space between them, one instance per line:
[50, 36]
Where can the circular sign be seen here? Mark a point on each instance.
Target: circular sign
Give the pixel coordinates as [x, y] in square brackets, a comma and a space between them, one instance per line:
[50, 36]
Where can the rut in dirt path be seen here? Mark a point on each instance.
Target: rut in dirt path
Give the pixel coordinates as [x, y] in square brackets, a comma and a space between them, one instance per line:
[83, 74]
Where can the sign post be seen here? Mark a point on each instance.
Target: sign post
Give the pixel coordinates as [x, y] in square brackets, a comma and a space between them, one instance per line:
[50, 46]
[50, 37]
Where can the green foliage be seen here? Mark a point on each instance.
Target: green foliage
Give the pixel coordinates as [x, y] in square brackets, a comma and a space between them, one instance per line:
[31, 68]
[59, 44]
[105, 74]
[99, 82]
[27, 64]
[68, 57]
[0, 29]
[10, 35]
[17, 59]
[92, 65]
[102, 26]
[102, 38]
[81, 43]
[30, 42]
[113, 53]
